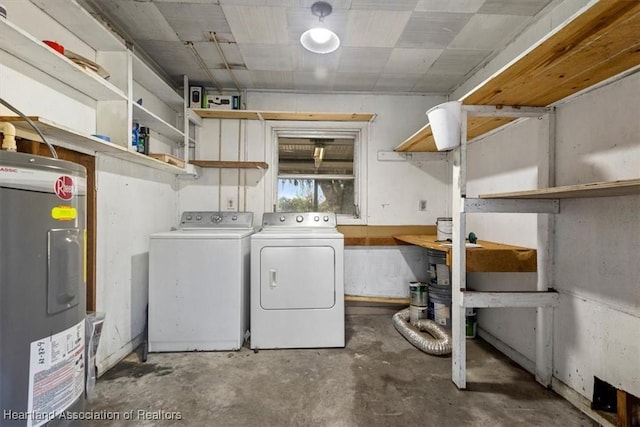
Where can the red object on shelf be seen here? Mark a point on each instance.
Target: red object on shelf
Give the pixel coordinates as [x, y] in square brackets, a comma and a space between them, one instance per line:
[55, 46]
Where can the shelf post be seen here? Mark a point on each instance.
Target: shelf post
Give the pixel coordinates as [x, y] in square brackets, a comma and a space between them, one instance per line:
[545, 227]
[458, 255]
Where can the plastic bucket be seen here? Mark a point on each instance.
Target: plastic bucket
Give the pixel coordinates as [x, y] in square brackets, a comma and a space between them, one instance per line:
[445, 124]
[440, 305]
[416, 313]
[438, 272]
[470, 324]
[444, 227]
[418, 294]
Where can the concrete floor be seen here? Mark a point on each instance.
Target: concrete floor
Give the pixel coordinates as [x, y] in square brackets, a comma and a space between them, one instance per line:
[379, 379]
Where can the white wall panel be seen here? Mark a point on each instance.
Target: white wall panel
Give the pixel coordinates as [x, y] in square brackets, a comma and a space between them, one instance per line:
[383, 271]
[133, 202]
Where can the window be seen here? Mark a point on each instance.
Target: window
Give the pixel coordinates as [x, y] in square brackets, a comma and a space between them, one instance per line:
[316, 174]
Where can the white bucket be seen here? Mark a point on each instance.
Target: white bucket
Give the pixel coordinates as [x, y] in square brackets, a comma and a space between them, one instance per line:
[444, 227]
[445, 124]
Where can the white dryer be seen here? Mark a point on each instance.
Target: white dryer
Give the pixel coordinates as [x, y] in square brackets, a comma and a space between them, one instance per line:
[297, 282]
[199, 283]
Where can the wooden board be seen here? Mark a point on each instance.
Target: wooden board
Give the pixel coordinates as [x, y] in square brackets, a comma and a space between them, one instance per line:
[377, 300]
[380, 235]
[491, 257]
[601, 43]
[283, 115]
[229, 164]
[168, 158]
[596, 189]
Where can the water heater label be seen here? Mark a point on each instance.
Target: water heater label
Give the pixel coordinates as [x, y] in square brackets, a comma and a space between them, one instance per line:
[56, 374]
[64, 213]
[64, 187]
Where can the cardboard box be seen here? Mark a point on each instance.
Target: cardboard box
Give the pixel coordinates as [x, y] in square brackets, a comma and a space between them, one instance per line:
[195, 97]
[222, 102]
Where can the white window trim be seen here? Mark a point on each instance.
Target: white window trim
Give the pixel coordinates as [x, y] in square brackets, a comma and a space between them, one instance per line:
[358, 130]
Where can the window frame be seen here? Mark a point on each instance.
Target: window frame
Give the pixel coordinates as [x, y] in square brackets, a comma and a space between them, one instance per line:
[301, 129]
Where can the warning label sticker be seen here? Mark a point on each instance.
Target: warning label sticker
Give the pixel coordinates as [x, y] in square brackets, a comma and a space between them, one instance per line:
[56, 374]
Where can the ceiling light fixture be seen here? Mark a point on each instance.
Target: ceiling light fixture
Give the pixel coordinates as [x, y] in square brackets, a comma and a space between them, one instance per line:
[320, 39]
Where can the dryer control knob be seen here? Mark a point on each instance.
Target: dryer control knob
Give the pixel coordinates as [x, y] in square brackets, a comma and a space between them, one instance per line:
[216, 218]
[189, 217]
[325, 218]
[316, 218]
[198, 217]
[299, 218]
[234, 218]
[282, 218]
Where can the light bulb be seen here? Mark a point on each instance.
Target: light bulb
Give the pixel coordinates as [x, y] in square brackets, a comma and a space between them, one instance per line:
[320, 35]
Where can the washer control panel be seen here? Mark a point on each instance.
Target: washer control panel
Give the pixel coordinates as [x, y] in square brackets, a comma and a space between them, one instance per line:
[299, 219]
[215, 219]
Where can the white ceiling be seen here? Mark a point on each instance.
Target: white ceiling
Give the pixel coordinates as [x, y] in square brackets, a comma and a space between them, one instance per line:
[388, 46]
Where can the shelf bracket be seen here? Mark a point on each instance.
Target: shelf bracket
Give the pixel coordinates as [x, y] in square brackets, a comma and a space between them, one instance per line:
[500, 111]
[474, 205]
[532, 299]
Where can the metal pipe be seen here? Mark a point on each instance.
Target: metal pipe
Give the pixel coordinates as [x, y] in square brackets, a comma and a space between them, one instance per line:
[212, 36]
[436, 341]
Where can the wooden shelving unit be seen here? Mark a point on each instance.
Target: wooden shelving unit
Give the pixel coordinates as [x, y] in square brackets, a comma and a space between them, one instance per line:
[62, 136]
[490, 257]
[149, 119]
[589, 49]
[597, 189]
[35, 59]
[599, 44]
[223, 164]
[282, 115]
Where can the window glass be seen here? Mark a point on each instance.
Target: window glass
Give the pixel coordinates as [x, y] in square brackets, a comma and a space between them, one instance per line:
[316, 174]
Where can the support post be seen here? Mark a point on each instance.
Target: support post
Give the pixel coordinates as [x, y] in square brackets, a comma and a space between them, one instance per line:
[544, 315]
[458, 255]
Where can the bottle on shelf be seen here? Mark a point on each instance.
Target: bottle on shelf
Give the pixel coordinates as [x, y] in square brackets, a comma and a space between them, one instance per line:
[143, 140]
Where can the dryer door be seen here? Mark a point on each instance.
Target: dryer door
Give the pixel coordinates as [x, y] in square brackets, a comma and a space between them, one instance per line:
[297, 277]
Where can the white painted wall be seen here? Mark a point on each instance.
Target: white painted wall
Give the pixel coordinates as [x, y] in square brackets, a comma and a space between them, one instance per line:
[393, 189]
[383, 271]
[133, 202]
[596, 271]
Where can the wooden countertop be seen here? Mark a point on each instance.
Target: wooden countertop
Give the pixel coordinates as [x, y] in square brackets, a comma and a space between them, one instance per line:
[491, 257]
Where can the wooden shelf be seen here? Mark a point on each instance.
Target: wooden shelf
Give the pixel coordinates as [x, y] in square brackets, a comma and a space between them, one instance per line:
[62, 136]
[229, 164]
[596, 189]
[283, 115]
[35, 59]
[155, 123]
[150, 80]
[596, 45]
[491, 257]
[81, 23]
[380, 235]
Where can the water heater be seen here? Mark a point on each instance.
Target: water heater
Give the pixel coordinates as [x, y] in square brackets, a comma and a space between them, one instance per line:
[42, 289]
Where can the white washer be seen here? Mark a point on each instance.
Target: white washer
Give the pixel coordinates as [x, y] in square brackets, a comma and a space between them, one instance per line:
[297, 282]
[199, 283]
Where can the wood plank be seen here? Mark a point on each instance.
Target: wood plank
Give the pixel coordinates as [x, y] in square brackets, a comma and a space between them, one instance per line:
[597, 45]
[595, 189]
[226, 114]
[491, 257]
[168, 158]
[377, 300]
[310, 116]
[475, 299]
[283, 115]
[229, 164]
[421, 141]
[380, 235]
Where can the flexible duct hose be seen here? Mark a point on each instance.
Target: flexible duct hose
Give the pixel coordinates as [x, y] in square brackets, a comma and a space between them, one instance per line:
[437, 340]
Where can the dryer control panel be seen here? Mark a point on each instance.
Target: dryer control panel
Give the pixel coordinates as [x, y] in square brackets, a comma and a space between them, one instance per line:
[299, 219]
[215, 219]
